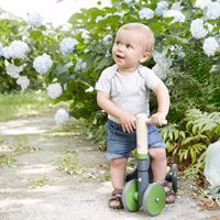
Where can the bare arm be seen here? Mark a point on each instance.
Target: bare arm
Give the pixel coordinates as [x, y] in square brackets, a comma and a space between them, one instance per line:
[127, 119]
[163, 101]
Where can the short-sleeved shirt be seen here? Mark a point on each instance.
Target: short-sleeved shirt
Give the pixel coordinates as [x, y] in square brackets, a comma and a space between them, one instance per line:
[129, 92]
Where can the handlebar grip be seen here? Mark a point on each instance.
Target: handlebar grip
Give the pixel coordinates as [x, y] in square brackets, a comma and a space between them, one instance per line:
[148, 121]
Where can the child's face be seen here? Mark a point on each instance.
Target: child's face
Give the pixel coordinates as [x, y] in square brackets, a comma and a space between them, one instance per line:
[129, 49]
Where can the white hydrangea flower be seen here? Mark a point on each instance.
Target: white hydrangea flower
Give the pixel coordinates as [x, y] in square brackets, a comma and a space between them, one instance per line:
[177, 15]
[161, 59]
[42, 63]
[1, 50]
[61, 116]
[202, 4]
[90, 89]
[177, 50]
[6, 53]
[197, 29]
[18, 49]
[146, 13]
[161, 8]
[54, 90]
[13, 70]
[162, 65]
[213, 11]
[177, 6]
[210, 46]
[160, 71]
[68, 45]
[108, 39]
[80, 65]
[23, 81]
[35, 19]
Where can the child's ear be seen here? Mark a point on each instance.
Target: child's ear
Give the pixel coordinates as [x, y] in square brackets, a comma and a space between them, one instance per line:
[145, 57]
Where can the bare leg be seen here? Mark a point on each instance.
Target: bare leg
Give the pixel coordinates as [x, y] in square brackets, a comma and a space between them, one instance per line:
[159, 167]
[159, 164]
[117, 171]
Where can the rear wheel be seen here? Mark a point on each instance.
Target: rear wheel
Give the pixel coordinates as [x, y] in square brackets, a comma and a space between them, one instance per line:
[130, 197]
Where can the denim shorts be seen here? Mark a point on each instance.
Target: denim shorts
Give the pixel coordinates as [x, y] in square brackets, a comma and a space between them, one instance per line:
[120, 144]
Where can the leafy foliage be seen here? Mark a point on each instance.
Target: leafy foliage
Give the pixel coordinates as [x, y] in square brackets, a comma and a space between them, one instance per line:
[188, 141]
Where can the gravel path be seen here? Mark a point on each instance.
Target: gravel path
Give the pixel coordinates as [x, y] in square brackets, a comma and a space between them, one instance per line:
[65, 197]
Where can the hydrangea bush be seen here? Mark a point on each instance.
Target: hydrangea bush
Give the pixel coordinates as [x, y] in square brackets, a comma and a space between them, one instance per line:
[68, 60]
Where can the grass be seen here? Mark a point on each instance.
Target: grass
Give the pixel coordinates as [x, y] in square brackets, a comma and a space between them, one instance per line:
[68, 163]
[39, 182]
[19, 104]
[18, 148]
[7, 160]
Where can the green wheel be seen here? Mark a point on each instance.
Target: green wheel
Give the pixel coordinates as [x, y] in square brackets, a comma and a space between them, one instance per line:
[154, 199]
[130, 197]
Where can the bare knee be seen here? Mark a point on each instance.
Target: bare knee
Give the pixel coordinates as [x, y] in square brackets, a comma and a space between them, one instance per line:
[158, 153]
[118, 163]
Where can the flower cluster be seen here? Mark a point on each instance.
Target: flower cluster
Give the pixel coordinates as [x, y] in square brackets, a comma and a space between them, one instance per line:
[13, 70]
[35, 19]
[68, 45]
[146, 13]
[16, 50]
[210, 46]
[177, 15]
[202, 4]
[5, 53]
[54, 90]
[161, 8]
[42, 63]
[213, 11]
[23, 81]
[61, 116]
[162, 65]
[107, 39]
[197, 29]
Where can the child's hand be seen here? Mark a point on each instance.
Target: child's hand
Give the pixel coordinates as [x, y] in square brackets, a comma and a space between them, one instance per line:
[127, 122]
[158, 118]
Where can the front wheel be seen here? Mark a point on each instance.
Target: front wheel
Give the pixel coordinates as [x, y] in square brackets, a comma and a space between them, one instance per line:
[154, 199]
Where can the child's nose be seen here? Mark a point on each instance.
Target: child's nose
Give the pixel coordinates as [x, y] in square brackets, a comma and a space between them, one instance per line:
[121, 47]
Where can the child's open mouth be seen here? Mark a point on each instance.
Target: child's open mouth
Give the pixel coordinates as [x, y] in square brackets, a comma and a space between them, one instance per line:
[120, 57]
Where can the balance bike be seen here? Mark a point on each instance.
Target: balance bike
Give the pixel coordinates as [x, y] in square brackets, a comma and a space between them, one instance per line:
[141, 192]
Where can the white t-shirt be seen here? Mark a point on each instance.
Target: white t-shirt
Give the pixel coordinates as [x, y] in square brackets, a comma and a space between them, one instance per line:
[129, 92]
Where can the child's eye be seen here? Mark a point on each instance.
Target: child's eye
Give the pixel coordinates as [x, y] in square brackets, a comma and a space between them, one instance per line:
[117, 42]
[128, 46]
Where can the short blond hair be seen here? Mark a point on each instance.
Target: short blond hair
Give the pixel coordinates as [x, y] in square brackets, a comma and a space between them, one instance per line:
[146, 30]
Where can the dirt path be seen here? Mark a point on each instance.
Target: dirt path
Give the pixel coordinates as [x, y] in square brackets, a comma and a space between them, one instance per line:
[65, 197]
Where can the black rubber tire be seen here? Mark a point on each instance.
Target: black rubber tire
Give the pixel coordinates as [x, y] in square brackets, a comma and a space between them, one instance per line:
[174, 178]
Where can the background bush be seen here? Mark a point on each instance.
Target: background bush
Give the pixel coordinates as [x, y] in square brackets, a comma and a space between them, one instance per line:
[191, 74]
